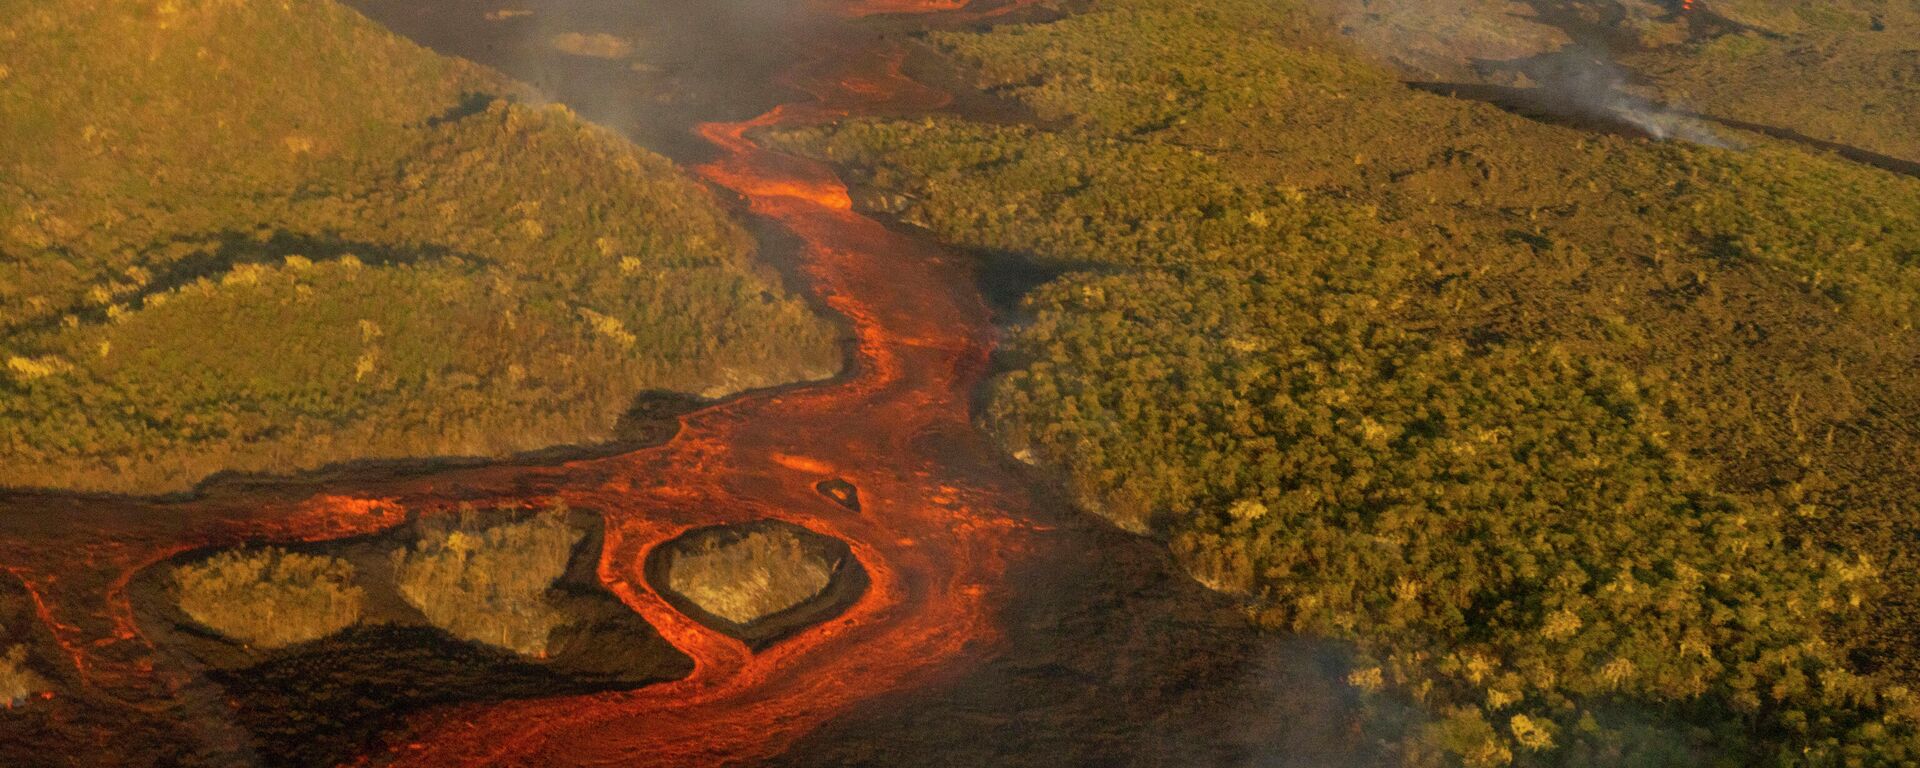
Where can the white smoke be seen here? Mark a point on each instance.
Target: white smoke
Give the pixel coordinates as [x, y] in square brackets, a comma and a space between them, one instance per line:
[1584, 83]
[1665, 124]
[1563, 63]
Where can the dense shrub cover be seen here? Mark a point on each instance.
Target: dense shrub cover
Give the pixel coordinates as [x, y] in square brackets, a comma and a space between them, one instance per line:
[489, 583]
[269, 597]
[17, 683]
[1839, 70]
[1595, 447]
[271, 236]
[748, 578]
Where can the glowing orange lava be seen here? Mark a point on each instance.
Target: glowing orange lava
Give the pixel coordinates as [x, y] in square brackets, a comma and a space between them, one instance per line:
[935, 532]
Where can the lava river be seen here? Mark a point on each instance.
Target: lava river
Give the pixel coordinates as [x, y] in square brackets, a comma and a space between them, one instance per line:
[940, 521]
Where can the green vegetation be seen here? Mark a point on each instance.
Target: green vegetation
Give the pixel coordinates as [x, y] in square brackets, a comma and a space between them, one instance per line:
[270, 236]
[1789, 17]
[269, 598]
[751, 576]
[1853, 86]
[482, 577]
[17, 682]
[1840, 70]
[489, 583]
[1598, 449]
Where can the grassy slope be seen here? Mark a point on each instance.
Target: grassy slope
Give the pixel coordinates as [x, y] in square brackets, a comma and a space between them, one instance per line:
[268, 236]
[1598, 447]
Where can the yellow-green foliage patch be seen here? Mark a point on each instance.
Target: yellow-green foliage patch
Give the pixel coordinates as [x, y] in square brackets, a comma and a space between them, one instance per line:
[273, 236]
[1841, 70]
[751, 577]
[1594, 446]
[489, 584]
[18, 683]
[269, 597]
[1855, 87]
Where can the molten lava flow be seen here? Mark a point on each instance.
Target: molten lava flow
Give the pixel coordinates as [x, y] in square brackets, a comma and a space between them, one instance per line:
[744, 170]
[934, 545]
[935, 526]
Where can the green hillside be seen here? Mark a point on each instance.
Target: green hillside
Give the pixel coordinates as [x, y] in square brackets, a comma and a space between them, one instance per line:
[1846, 71]
[270, 236]
[1597, 448]
[1842, 72]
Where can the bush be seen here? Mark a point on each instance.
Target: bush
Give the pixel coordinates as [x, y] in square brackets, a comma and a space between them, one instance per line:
[17, 683]
[269, 597]
[386, 256]
[748, 578]
[489, 584]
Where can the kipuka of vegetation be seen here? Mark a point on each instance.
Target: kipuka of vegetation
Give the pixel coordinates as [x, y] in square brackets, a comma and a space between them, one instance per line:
[316, 648]
[272, 236]
[269, 597]
[483, 577]
[742, 580]
[1596, 448]
[489, 583]
[758, 581]
[17, 682]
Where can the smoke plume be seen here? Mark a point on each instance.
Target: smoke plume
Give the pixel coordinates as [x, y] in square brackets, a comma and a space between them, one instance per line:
[1583, 83]
[1544, 58]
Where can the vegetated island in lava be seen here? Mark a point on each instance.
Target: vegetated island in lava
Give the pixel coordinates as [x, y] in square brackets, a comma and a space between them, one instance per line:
[316, 647]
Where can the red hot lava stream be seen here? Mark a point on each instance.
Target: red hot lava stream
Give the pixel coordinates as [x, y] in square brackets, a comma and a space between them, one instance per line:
[938, 527]
[932, 542]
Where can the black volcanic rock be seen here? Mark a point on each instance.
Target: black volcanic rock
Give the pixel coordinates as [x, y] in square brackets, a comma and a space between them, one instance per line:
[844, 493]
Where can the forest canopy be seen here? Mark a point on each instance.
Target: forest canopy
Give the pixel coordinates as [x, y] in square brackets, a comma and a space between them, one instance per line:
[1597, 448]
